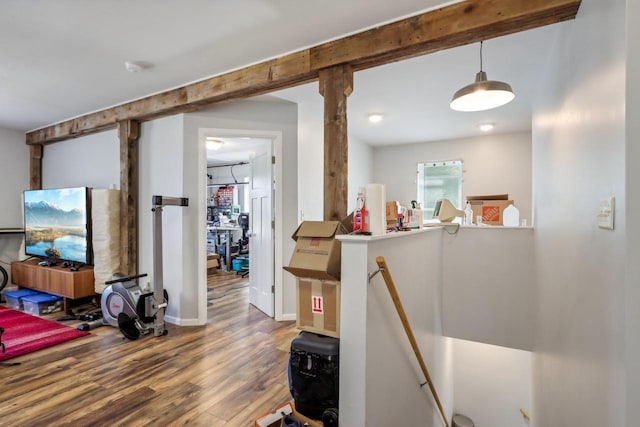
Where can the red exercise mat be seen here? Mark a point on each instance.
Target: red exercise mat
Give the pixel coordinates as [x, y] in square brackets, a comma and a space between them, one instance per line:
[24, 333]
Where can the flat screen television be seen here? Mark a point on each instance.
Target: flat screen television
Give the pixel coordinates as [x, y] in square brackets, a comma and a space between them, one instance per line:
[57, 224]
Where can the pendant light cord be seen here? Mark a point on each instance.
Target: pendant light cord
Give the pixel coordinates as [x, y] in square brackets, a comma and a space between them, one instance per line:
[481, 54]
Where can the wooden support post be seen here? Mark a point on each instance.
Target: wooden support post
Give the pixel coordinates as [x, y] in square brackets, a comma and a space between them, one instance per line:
[35, 167]
[128, 133]
[336, 84]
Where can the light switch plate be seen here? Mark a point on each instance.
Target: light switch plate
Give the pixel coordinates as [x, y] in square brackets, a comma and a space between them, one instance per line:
[606, 212]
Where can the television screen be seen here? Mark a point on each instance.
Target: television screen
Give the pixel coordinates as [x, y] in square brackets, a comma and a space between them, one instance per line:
[57, 224]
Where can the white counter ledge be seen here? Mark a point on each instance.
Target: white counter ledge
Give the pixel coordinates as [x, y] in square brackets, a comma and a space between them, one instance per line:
[388, 235]
[398, 234]
[475, 284]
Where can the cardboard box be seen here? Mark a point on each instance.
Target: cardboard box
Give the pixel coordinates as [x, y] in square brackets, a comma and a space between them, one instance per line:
[318, 306]
[317, 252]
[490, 207]
[347, 224]
[274, 419]
[213, 263]
[392, 213]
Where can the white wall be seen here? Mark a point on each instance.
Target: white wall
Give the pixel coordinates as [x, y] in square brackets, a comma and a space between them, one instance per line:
[579, 157]
[491, 384]
[439, 277]
[14, 179]
[493, 164]
[89, 161]
[489, 283]
[379, 374]
[488, 286]
[387, 343]
[311, 157]
[14, 176]
[632, 290]
[94, 161]
[172, 164]
[271, 117]
[360, 169]
[160, 172]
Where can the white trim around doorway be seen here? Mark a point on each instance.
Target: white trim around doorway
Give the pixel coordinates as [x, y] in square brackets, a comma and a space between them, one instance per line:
[276, 148]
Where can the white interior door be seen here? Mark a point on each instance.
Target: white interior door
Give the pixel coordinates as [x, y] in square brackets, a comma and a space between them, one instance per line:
[261, 276]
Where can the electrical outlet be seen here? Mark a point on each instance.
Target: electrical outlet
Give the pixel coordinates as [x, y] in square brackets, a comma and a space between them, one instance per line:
[606, 212]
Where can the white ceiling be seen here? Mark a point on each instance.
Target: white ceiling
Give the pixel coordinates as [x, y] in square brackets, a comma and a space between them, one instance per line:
[64, 58]
[414, 95]
[233, 150]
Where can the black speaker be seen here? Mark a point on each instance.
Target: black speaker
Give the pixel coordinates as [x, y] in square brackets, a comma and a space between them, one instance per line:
[313, 374]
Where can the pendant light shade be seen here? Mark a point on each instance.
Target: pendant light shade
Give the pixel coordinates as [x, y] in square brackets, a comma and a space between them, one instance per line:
[482, 94]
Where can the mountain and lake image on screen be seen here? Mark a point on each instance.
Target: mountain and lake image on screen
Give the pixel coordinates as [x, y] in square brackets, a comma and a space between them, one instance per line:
[56, 224]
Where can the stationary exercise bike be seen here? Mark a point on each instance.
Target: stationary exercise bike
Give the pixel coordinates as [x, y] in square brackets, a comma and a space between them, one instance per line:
[125, 305]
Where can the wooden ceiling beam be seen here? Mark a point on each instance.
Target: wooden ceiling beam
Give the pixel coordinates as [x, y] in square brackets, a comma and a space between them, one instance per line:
[445, 28]
[462, 23]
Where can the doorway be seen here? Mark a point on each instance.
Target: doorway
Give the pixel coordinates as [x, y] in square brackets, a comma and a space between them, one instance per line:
[240, 195]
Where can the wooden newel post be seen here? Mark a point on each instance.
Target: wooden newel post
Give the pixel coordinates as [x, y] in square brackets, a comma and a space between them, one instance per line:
[128, 133]
[336, 84]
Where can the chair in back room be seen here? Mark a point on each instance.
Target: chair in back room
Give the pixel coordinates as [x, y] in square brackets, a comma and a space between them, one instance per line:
[243, 243]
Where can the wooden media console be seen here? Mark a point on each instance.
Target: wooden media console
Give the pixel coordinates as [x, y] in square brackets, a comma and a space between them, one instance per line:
[55, 280]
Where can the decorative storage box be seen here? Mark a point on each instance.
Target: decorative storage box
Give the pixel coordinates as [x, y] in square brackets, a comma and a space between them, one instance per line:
[41, 304]
[14, 298]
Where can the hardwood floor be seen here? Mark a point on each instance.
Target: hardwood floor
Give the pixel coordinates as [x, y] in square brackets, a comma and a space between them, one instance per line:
[223, 374]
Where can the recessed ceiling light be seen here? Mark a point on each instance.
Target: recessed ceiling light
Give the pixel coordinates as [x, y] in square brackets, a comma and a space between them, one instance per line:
[134, 67]
[486, 127]
[375, 118]
[214, 143]
[137, 66]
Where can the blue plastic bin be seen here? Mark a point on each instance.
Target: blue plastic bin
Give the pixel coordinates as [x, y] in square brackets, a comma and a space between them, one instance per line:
[41, 304]
[14, 298]
[240, 263]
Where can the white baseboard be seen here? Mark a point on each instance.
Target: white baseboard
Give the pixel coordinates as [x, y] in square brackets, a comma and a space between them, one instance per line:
[194, 322]
[287, 316]
[181, 322]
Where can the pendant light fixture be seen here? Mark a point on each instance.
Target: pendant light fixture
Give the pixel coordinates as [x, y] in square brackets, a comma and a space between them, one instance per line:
[482, 94]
